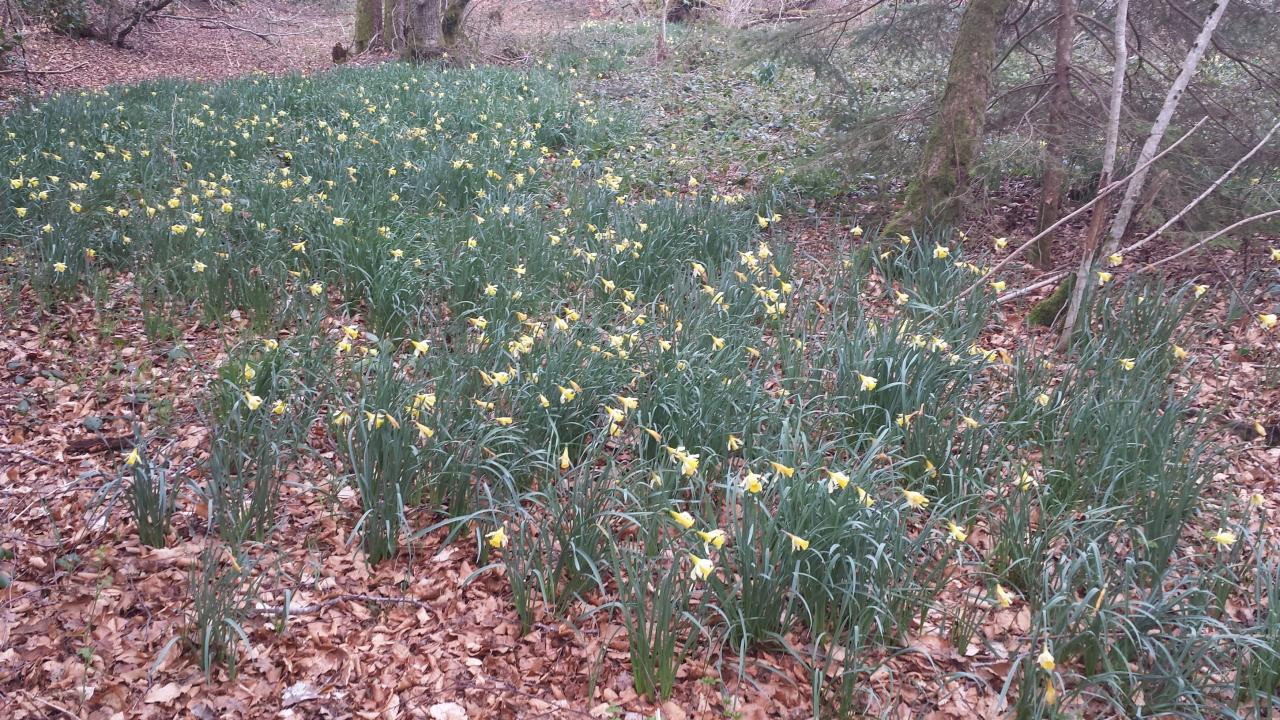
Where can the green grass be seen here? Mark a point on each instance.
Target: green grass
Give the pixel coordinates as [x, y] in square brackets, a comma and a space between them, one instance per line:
[509, 323]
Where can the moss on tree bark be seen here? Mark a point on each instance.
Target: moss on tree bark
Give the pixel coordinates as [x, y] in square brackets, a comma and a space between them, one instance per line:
[955, 140]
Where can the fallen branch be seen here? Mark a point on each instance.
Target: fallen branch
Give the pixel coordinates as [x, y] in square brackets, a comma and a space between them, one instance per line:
[1014, 294]
[100, 443]
[29, 456]
[25, 71]
[316, 607]
[216, 23]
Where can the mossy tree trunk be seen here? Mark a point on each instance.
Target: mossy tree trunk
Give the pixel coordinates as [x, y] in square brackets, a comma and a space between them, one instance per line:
[368, 24]
[423, 35]
[955, 140]
[452, 27]
[389, 37]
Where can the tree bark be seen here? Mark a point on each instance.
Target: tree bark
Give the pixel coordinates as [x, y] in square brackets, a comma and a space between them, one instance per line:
[390, 38]
[452, 26]
[1055, 130]
[368, 24]
[956, 137]
[1124, 214]
[1098, 218]
[423, 35]
[1133, 191]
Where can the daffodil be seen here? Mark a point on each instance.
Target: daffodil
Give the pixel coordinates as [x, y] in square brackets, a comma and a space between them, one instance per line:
[1045, 660]
[702, 567]
[59, 267]
[836, 480]
[713, 538]
[941, 252]
[1127, 363]
[682, 518]
[1104, 277]
[752, 482]
[867, 382]
[957, 533]
[498, 538]
[1003, 597]
[1224, 539]
[1200, 290]
[781, 469]
[798, 544]
[1267, 321]
[1179, 352]
[315, 289]
[253, 401]
[915, 499]
[278, 407]
[864, 497]
[133, 458]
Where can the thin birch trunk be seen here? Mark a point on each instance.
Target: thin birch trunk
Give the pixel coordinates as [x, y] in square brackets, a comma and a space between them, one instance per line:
[1124, 214]
[1099, 216]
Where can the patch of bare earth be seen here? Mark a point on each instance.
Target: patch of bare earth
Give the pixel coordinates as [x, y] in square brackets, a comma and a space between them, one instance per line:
[192, 40]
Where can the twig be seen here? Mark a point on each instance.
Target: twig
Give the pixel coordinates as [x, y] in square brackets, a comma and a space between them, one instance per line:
[1208, 191]
[307, 609]
[1206, 241]
[218, 23]
[1013, 294]
[29, 456]
[51, 706]
[1101, 194]
[25, 71]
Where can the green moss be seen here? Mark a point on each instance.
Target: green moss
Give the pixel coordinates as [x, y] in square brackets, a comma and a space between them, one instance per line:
[1045, 312]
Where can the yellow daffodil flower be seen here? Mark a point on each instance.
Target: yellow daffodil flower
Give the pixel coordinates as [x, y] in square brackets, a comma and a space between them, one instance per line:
[682, 518]
[915, 499]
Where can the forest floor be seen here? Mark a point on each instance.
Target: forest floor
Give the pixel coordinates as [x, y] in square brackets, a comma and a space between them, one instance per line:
[88, 614]
[210, 40]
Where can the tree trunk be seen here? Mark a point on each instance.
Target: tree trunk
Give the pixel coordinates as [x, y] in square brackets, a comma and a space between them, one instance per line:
[1098, 216]
[956, 138]
[368, 24]
[1124, 214]
[390, 38]
[423, 36]
[454, 16]
[661, 50]
[1059, 105]
[1132, 192]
